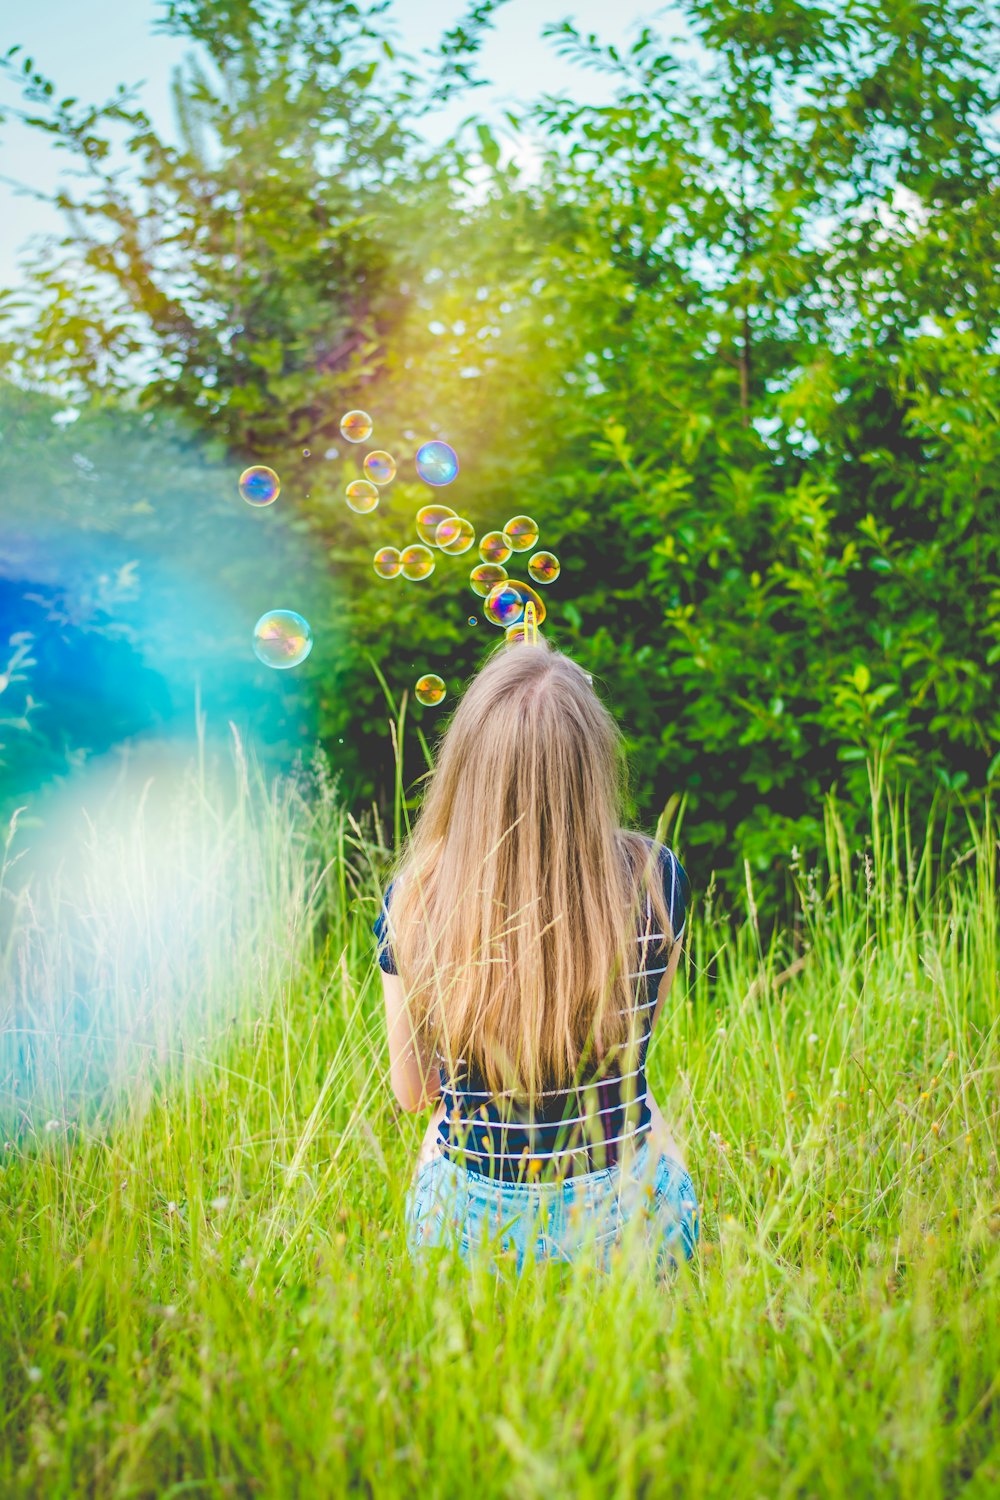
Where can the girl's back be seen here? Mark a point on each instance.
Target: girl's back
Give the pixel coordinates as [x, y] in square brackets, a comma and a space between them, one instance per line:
[527, 944]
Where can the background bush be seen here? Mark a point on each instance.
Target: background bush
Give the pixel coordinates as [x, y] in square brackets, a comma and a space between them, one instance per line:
[735, 348]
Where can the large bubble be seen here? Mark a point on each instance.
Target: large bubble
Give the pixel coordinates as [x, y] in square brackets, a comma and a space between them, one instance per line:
[430, 690]
[455, 535]
[494, 548]
[437, 463]
[356, 426]
[520, 533]
[259, 485]
[417, 562]
[429, 518]
[362, 496]
[544, 567]
[486, 576]
[387, 562]
[281, 638]
[505, 603]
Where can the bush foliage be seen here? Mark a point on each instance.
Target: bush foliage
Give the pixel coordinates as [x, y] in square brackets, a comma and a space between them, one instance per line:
[734, 345]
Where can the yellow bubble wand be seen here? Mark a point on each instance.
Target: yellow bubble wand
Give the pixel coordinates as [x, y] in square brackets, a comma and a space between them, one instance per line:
[530, 623]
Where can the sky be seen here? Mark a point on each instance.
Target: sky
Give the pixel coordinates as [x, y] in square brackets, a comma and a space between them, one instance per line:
[88, 49]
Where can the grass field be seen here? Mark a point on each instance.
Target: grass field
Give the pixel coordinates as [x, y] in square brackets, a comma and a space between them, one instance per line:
[204, 1285]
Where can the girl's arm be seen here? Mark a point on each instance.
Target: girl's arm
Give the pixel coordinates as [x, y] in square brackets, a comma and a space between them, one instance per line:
[666, 981]
[415, 1083]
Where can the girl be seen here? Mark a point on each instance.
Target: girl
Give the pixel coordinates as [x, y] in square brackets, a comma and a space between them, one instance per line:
[527, 946]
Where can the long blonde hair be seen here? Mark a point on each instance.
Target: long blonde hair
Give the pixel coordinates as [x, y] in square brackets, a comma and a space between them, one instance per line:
[514, 915]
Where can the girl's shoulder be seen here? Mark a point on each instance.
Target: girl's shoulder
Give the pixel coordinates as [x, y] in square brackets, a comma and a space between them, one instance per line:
[672, 879]
[381, 929]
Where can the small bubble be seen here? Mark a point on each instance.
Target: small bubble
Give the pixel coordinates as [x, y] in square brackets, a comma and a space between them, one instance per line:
[259, 485]
[473, 620]
[380, 467]
[282, 638]
[544, 567]
[356, 426]
[429, 518]
[387, 561]
[521, 634]
[362, 496]
[417, 562]
[494, 547]
[430, 690]
[455, 535]
[486, 576]
[520, 533]
[307, 453]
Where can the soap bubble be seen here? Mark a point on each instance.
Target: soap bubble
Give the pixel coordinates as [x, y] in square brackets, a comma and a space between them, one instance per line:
[417, 562]
[259, 485]
[429, 518]
[494, 548]
[505, 603]
[281, 638]
[362, 496]
[306, 453]
[437, 463]
[544, 567]
[520, 533]
[430, 690]
[521, 634]
[455, 535]
[380, 467]
[387, 562]
[485, 576]
[473, 620]
[356, 426]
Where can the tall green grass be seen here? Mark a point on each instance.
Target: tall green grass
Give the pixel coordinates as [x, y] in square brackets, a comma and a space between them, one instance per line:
[204, 1286]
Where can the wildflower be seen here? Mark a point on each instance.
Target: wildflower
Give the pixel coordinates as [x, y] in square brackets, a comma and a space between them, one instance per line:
[34, 1374]
[936, 1127]
[171, 1207]
[813, 1038]
[219, 1203]
[51, 1125]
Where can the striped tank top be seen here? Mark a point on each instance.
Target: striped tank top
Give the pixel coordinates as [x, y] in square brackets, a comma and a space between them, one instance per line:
[571, 1130]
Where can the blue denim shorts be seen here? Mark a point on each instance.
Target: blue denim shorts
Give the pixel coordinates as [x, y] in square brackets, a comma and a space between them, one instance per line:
[450, 1206]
